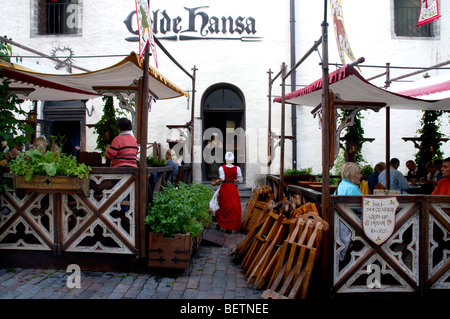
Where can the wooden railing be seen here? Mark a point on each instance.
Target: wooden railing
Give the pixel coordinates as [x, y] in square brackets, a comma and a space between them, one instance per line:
[105, 222]
[414, 259]
[102, 222]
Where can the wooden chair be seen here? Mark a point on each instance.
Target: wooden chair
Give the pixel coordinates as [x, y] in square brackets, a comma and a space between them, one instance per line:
[292, 274]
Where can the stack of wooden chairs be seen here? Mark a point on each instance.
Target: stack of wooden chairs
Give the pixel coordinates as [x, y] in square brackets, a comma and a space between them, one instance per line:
[282, 243]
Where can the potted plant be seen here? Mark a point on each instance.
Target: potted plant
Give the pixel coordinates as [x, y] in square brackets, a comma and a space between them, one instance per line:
[152, 161]
[49, 172]
[302, 176]
[176, 219]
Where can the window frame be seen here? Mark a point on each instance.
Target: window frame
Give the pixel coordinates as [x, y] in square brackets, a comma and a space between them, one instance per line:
[36, 21]
[434, 28]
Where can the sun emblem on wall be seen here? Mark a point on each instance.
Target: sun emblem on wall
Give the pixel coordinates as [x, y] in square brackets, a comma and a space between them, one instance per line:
[64, 54]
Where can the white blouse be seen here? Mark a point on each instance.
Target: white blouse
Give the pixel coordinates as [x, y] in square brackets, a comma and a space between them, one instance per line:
[239, 177]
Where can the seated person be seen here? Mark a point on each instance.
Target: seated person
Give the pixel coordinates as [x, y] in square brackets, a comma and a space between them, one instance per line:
[437, 164]
[443, 186]
[171, 176]
[40, 144]
[4, 148]
[415, 173]
[397, 180]
[123, 149]
[56, 149]
[431, 179]
[373, 178]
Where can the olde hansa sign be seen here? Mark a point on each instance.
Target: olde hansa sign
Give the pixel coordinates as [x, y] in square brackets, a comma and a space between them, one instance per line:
[378, 217]
[196, 24]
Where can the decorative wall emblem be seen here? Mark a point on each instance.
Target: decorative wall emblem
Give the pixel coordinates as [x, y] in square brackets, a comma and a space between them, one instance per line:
[378, 216]
[64, 54]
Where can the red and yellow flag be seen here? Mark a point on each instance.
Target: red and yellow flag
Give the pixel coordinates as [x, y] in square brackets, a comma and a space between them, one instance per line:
[339, 31]
[145, 26]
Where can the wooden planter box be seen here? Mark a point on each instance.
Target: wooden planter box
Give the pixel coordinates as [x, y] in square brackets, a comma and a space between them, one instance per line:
[55, 184]
[169, 252]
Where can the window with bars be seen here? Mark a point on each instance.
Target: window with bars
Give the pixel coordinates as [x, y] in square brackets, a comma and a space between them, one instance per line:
[406, 15]
[58, 17]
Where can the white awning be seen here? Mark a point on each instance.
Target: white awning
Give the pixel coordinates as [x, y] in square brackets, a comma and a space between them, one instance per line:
[60, 87]
[351, 86]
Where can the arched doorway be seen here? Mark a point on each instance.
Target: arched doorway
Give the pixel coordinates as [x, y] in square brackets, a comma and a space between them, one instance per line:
[223, 110]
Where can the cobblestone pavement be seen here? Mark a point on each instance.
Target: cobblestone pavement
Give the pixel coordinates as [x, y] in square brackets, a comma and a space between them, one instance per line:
[211, 275]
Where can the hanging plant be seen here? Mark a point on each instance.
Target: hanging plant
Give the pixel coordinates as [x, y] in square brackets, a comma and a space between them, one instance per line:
[353, 138]
[430, 143]
[106, 128]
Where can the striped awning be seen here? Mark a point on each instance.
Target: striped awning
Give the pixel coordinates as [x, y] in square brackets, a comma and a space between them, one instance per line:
[351, 86]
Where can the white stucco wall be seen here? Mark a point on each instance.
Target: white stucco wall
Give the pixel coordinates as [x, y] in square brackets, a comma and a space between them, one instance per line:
[245, 65]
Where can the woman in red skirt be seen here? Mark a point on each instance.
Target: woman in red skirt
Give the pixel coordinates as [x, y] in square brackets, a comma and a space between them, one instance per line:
[228, 216]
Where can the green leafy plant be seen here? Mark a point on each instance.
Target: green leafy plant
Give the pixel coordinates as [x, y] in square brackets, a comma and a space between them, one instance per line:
[366, 170]
[353, 138]
[429, 146]
[181, 209]
[303, 171]
[33, 163]
[12, 129]
[106, 128]
[59, 139]
[151, 161]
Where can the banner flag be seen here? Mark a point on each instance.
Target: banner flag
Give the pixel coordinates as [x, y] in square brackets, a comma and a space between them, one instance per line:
[429, 11]
[145, 28]
[339, 31]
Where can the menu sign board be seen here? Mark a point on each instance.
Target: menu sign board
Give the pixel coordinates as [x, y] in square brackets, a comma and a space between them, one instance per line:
[378, 217]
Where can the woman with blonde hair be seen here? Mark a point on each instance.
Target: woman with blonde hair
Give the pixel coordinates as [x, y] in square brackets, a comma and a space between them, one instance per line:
[351, 177]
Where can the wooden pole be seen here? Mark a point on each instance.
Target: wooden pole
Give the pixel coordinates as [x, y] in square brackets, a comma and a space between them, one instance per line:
[325, 124]
[269, 118]
[143, 181]
[388, 148]
[325, 148]
[388, 132]
[194, 77]
[283, 115]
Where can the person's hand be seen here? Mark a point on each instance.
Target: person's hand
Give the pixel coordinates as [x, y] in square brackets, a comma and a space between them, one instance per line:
[108, 146]
[78, 148]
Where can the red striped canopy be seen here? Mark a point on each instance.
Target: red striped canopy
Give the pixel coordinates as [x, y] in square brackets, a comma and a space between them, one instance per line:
[348, 83]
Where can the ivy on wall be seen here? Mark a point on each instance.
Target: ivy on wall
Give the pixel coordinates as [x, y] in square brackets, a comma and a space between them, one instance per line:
[430, 143]
[12, 129]
[106, 128]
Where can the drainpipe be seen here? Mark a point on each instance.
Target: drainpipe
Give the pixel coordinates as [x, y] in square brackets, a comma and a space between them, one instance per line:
[293, 85]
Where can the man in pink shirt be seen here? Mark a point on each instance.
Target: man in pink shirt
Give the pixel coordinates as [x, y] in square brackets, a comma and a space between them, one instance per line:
[123, 149]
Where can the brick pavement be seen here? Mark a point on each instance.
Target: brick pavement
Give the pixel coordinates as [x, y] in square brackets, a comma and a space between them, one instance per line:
[211, 275]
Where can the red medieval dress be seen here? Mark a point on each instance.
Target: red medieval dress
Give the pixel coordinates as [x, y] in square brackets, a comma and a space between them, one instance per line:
[228, 216]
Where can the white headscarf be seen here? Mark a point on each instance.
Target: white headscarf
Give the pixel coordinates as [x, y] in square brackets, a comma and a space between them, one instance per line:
[229, 157]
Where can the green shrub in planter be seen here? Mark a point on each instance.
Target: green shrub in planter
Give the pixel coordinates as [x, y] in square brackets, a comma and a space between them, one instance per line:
[32, 163]
[179, 210]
